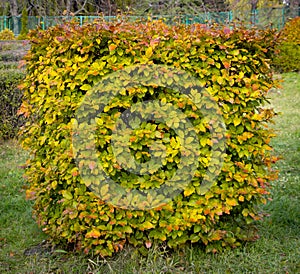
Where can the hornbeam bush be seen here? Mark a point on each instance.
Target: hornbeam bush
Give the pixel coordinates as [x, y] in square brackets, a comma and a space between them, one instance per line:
[164, 72]
[10, 101]
[7, 34]
[288, 56]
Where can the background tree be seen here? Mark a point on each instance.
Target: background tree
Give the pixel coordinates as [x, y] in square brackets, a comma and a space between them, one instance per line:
[177, 7]
[15, 7]
[292, 7]
[24, 24]
[156, 7]
[263, 12]
[4, 8]
[200, 8]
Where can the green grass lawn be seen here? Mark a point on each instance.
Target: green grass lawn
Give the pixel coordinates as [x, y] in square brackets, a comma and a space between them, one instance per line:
[276, 251]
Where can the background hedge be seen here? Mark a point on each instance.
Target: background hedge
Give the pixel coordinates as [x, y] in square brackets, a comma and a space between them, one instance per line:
[288, 51]
[7, 34]
[64, 64]
[11, 53]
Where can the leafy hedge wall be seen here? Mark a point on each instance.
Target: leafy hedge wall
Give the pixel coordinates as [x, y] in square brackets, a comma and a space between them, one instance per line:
[67, 61]
[288, 51]
[10, 95]
[10, 101]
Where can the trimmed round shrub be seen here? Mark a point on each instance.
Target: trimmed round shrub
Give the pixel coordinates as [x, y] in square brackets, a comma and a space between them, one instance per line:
[73, 106]
[7, 34]
[288, 57]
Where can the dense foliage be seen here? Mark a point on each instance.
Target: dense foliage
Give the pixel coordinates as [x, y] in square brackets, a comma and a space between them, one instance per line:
[288, 57]
[24, 25]
[10, 95]
[10, 101]
[7, 34]
[67, 61]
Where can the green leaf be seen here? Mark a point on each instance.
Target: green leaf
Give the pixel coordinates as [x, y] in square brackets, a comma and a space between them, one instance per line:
[67, 195]
[85, 87]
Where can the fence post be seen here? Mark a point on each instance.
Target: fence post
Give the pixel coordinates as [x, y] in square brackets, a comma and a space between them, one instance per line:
[254, 13]
[230, 16]
[283, 18]
[5, 22]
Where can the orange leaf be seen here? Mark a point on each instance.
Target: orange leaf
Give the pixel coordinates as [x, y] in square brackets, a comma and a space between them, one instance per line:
[93, 234]
[226, 65]
[231, 202]
[112, 47]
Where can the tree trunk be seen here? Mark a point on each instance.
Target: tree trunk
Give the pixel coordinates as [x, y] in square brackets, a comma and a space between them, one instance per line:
[14, 13]
[253, 11]
[294, 8]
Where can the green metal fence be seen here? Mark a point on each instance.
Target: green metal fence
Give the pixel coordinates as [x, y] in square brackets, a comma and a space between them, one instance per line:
[14, 23]
[261, 18]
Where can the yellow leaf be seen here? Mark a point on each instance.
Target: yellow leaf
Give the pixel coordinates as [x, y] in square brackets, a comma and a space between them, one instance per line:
[245, 212]
[54, 184]
[203, 142]
[149, 52]
[85, 87]
[93, 234]
[188, 191]
[231, 201]
[220, 80]
[237, 120]
[241, 198]
[147, 225]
